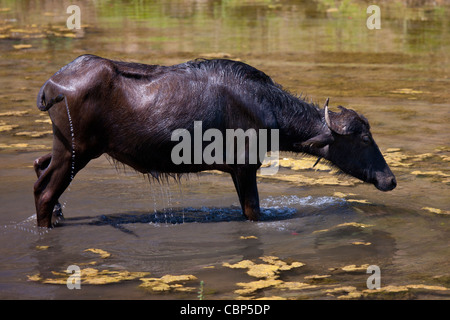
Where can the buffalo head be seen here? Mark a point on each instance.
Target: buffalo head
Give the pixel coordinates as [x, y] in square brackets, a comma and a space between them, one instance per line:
[346, 141]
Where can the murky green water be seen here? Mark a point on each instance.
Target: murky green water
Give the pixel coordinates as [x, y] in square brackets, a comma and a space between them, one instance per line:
[398, 77]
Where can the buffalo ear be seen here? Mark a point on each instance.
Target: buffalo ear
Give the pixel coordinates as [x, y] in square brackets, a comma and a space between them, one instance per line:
[338, 123]
[319, 141]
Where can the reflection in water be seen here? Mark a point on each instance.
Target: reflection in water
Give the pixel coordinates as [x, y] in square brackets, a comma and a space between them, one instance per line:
[396, 76]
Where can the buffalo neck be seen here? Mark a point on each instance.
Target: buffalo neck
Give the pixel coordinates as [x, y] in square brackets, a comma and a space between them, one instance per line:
[299, 121]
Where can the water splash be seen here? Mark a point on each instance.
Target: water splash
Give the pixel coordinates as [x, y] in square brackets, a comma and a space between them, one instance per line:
[28, 225]
[72, 134]
[293, 200]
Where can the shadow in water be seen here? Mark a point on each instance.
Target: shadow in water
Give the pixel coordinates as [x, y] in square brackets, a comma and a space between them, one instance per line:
[177, 216]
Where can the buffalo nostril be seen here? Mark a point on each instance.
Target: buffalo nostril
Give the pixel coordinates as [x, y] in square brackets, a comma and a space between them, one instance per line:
[393, 182]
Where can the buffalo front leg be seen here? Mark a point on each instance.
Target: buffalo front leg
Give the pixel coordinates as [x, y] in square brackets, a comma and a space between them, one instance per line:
[245, 184]
[40, 165]
[51, 183]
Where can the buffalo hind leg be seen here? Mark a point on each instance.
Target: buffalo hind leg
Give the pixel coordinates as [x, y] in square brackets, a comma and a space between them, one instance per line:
[245, 184]
[40, 165]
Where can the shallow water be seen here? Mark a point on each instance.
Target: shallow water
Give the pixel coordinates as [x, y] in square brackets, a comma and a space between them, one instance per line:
[396, 76]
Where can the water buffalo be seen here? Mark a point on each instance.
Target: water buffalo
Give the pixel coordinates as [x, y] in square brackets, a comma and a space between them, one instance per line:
[129, 111]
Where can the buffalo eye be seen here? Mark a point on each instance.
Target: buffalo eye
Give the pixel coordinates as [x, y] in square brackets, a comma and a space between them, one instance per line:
[366, 139]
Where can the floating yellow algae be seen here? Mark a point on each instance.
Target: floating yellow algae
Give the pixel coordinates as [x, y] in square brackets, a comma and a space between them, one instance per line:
[355, 268]
[91, 276]
[252, 286]
[42, 247]
[427, 287]
[292, 285]
[360, 243]
[22, 146]
[49, 121]
[13, 113]
[103, 254]
[14, 145]
[351, 295]
[343, 195]
[350, 292]
[170, 278]
[269, 272]
[248, 237]
[363, 201]
[301, 180]
[406, 91]
[34, 134]
[346, 224]
[255, 270]
[395, 158]
[22, 46]
[167, 283]
[35, 277]
[7, 127]
[405, 288]
[422, 156]
[306, 163]
[271, 298]
[317, 277]
[281, 264]
[264, 270]
[240, 265]
[436, 210]
[430, 173]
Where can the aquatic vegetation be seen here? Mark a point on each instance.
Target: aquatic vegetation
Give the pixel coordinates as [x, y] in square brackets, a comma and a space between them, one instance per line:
[23, 146]
[360, 243]
[96, 276]
[7, 127]
[268, 273]
[22, 46]
[42, 247]
[350, 292]
[248, 237]
[317, 277]
[103, 254]
[13, 113]
[363, 201]
[436, 210]
[168, 283]
[200, 291]
[302, 180]
[309, 163]
[345, 292]
[437, 173]
[34, 134]
[253, 286]
[355, 268]
[406, 91]
[90, 276]
[306, 163]
[271, 268]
